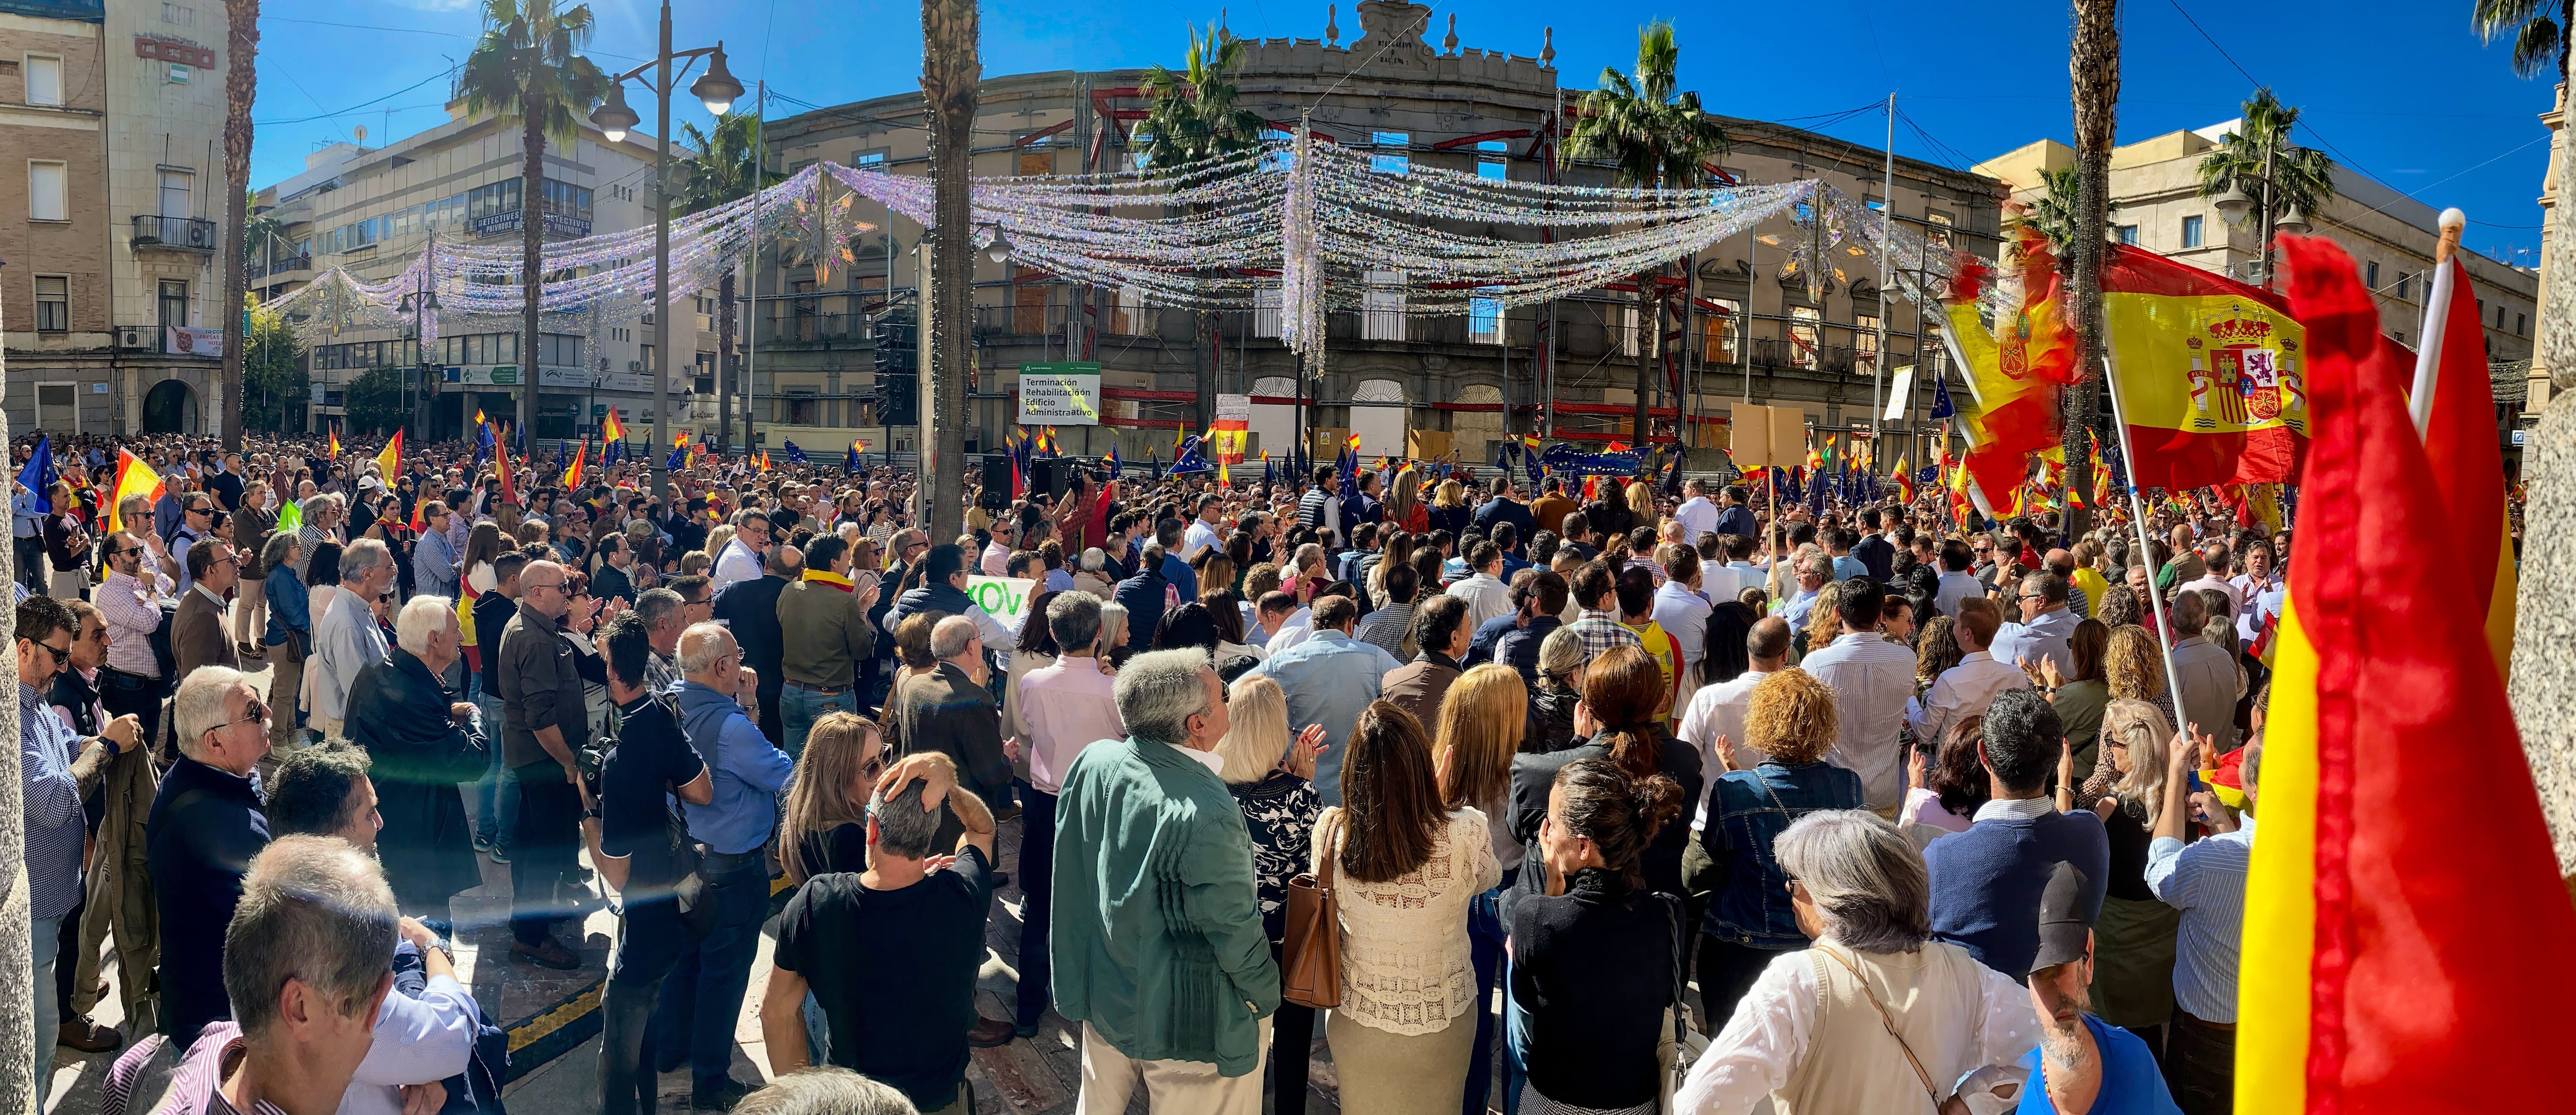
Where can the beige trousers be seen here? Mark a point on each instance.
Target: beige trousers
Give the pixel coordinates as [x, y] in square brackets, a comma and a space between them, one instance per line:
[1109, 1079]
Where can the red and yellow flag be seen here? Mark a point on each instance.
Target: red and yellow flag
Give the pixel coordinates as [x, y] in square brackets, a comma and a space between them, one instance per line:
[334, 451]
[389, 462]
[2370, 974]
[572, 474]
[133, 478]
[610, 429]
[2211, 373]
[2465, 466]
[501, 465]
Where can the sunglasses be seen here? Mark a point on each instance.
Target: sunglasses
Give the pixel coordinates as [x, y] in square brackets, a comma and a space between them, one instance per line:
[62, 655]
[252, 713]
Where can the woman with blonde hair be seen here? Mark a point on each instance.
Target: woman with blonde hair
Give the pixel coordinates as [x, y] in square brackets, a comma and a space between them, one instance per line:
[717, 536]
[2134, 665]
[1273, 783]
[1406, 868]
[1792, 719]
[2133, 951]
[1481, 721]
[1449, 510]
[1404, 508]
[1641, 505]
[826, 827]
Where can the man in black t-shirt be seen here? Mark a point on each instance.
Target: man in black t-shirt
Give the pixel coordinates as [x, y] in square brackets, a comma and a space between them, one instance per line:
[891, 954]
[630, 835]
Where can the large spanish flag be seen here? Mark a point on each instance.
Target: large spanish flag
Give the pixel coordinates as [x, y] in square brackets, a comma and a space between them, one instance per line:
[2406, 939]
[133, 478]
[389, 462]
[2210, 373]
[2467, 468]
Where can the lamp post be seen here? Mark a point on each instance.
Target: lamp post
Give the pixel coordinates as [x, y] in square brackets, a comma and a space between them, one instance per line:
[716, 89]
[419, 303]
[2233, 204]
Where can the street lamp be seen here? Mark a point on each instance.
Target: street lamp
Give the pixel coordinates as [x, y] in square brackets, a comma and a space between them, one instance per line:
[716, 89]
[998, 249]
[418, 303]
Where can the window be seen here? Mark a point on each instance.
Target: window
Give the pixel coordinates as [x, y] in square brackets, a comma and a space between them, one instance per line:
[48, 194]
[53, 303]
[2519, 325]
[178, 15]
[1278, 160]
[1384, 320]
[1392, 164]
[1485, 319]
[868, 160]
[175, 186]
[1865, 335]
[1937, 227]
[1139, 144]
[1628, 330]
[1037, 162]
[1265, 310]
[1802, 335]
[2128, 234]
[647, 350]
[2401, 285]
[2191, 231]
[2499, 315]
[1127, 311]
[1717, 332]
[44, 80]
[174, 301]
[1490, 161]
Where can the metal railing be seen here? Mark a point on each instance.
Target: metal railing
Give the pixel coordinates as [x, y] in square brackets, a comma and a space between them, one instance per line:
[260, 268]
[188, 233]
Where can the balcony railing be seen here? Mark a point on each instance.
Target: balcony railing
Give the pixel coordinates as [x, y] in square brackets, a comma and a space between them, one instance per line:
[261, 268]
[183, 233]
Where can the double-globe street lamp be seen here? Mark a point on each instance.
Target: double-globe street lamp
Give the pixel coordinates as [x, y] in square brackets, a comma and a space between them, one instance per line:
[716, 89]
[2234, 203]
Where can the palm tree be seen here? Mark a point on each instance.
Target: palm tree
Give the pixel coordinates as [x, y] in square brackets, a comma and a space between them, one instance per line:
[2052, 213]
[2093, 69]
[2259, 149]
[725, 169]
[241, 87]
[1189, 117]
[527, 67]
[952, 68]
[1656, 137]
[2540, 38]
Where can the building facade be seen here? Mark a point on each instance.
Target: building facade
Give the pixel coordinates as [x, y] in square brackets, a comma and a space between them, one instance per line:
[111, 120]
[374, 210]
[1465, 379]
[2391, 237]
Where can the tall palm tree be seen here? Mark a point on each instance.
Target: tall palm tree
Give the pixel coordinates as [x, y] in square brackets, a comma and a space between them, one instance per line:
[2093, 69]
[2301, 177]
[1192, 116]
[2540, 31]
[1655, 136]
[725, 169]
[527, 67]
[241, 87]
[952, 69]
[2052, 213]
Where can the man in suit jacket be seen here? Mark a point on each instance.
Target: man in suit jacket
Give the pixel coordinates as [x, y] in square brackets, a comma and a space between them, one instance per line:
[1440, 631]
[197, 635]
[950, 711]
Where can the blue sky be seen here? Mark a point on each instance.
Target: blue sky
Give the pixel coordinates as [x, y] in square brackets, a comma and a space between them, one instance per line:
[2402, 91]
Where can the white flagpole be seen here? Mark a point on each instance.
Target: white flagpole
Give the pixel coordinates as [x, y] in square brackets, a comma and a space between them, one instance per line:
[2437, 316]
[2138, 520]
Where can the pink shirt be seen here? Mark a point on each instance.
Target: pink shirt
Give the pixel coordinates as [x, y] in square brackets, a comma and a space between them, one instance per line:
[1066, 707]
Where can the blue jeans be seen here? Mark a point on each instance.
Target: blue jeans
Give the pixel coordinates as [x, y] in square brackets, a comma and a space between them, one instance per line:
[1485, 933]
[46, 935]
[702, 997]
[495, 796]
[1516, 1042]
[799, 708]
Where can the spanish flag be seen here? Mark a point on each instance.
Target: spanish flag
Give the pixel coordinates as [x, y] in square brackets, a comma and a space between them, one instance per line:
[389, 462]
[610, 429]
[2211, 373]
[334, 451]
[2404, 950]
[2467, 469]
[572, 474]
[133, 478]
[509, 487]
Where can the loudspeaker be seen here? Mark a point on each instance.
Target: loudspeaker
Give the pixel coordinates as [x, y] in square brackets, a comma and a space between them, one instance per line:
[996, 495]
[1054, 475]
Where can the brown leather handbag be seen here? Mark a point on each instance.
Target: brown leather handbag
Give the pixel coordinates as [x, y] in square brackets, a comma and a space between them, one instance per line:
[1310, 969]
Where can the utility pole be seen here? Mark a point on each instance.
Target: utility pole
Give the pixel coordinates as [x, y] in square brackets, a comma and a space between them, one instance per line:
[950, 69]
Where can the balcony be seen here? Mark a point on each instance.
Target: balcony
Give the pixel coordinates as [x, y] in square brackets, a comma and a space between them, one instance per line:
[280, 267]
[186, 234]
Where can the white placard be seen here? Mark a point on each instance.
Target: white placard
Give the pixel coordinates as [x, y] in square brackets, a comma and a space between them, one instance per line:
[1004, 598]
[1900, 395]
[1059, 398]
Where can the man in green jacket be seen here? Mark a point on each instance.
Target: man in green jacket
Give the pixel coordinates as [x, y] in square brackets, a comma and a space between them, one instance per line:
[823, 633]
[1151, 852]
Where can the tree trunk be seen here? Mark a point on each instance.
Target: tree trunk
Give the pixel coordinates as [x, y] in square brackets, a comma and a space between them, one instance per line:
[532, 230]
[2094, 66]
[17, 956]
[950, 69]
[725, 362]
[1649, 329]
[2542, 685]
[241, 80]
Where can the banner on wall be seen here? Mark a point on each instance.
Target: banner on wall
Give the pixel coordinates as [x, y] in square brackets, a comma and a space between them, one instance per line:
[1232, 430]
[192, 340]
[1060, 394]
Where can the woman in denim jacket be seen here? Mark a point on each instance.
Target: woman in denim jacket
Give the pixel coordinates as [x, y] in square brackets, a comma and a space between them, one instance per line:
[1790, 718]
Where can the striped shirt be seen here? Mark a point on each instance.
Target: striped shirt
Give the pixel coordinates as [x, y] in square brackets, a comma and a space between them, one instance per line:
[2206, 881]
[196, 1086]
[55, 828]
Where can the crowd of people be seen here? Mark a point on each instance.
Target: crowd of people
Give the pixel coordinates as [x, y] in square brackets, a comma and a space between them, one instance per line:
[1621, 799]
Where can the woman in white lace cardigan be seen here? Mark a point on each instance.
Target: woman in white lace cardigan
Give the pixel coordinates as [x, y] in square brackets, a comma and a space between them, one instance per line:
[1406, 870]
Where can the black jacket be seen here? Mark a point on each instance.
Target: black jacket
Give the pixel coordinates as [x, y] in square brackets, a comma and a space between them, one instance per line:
[1142, 595]
[398, 713]
[206, 827]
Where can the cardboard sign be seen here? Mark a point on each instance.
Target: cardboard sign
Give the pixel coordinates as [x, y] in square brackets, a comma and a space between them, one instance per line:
[1004, 598]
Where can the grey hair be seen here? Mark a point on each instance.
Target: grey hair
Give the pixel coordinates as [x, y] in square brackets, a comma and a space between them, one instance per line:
[361, 556]
[314, 910]
[949, 639]
[1113, 625]
[701, 647]
[904, 828]
[420, 618]
[313, 506]
[1093, 560]
[825, 1090]
[1810, 555]
[1868, 883]
[1158, 693]
[1073, 618]
[654, 605]
[280, 544]
[199, 707]
[1559, 658]
[1256, 732]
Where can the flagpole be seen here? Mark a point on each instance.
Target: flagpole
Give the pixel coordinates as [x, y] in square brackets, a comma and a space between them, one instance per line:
[2437, 318]
[2138, 521]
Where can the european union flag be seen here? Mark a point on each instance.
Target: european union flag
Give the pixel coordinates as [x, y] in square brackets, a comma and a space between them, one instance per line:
[1941, 405]
[795, 455]
[679, 453]
[38, 476]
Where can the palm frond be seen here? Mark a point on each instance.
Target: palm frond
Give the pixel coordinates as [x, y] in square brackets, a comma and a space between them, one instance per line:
[1654, 136]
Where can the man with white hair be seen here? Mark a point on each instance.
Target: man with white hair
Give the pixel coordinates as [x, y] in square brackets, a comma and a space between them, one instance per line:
[346, 639]
[1151, 854]
[207, 823]
[423, 745]
[950, 710]
[702, 996]
[321, 516]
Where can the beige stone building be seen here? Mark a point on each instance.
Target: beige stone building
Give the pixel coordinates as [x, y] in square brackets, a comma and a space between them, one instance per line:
[111, 118]
[2155, 184]
[373, 210]
[1413, 97]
